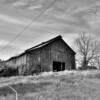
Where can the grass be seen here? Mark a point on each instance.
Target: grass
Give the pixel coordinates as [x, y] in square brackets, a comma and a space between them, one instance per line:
[77, 86]
[24, 88]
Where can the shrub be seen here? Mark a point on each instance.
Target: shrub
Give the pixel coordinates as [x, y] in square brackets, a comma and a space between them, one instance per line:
[6, 72]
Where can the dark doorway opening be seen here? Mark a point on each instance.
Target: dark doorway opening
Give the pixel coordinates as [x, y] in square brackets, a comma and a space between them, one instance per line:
[58, 66]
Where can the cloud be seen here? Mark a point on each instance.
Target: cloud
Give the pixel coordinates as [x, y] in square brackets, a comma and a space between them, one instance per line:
[9, 51]
[10, 19]
[19, 3]
[64, 17]
[34, 7]
[20, 21]
[3, 42]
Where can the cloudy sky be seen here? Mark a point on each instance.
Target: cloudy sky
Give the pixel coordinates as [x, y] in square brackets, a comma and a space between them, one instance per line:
[64, 17]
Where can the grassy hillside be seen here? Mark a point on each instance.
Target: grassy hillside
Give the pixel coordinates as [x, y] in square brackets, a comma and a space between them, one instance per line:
[53, 86]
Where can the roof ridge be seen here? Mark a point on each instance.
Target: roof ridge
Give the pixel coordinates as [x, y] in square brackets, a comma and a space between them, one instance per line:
[39, 45]
[46, 42]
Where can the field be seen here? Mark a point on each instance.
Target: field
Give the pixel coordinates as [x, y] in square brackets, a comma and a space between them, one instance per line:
[67, 85]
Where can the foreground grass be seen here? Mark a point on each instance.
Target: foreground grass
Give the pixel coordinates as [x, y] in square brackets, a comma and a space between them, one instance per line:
[74, 86]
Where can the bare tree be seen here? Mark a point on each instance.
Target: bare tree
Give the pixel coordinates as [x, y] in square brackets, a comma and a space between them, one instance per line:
[87, 48]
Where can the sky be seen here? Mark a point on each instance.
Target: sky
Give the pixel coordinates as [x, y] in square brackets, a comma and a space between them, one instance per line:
[65, 17]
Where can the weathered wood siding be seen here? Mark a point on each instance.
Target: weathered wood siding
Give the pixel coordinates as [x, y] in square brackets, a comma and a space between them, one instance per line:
[21, 60]
[39, 58]
[33, 60]
[18, 61]
[42, 58]
[11, 63]
[46, 58]
[61, 52]
[21, 64]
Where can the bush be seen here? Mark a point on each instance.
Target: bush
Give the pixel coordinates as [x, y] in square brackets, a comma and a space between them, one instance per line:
[87, 68]
[6, 72]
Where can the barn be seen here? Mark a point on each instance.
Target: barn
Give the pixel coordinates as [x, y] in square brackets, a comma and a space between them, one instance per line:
[52, 55]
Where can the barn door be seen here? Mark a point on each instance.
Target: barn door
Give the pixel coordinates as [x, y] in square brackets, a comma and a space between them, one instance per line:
[58, 66]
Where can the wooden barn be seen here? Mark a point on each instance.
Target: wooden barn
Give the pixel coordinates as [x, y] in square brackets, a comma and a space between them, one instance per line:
[52, 55]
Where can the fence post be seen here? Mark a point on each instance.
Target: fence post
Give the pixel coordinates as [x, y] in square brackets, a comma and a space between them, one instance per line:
[14, 91]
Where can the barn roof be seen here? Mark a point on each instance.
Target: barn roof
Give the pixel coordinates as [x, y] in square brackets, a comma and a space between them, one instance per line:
[42, 45]
[46, 43]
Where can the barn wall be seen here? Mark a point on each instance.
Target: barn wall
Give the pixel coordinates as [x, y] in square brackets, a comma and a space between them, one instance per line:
[40, 59]
[11, 63]
[46, 58]
[33, 61]
[21, 64]
[61, 52]
[43, 58]
[21, 60]
[14, 62]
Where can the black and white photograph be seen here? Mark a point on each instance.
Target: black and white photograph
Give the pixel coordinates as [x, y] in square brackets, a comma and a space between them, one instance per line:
[49, 49]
